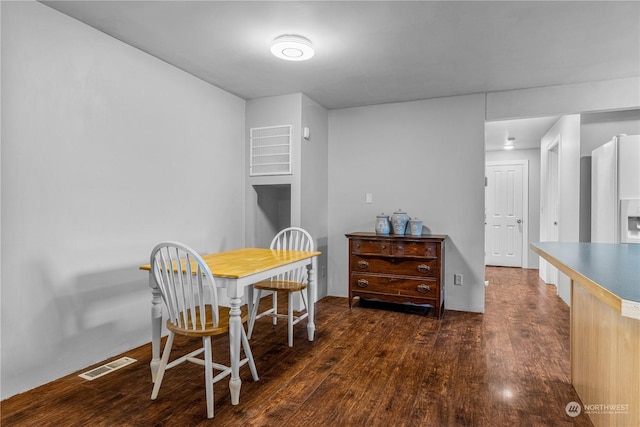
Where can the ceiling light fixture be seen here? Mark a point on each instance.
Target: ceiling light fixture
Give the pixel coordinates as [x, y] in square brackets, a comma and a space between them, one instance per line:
[509, 144]
[292, 48]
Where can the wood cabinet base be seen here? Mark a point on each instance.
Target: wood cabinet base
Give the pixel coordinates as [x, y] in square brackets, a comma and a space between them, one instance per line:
[605, 360]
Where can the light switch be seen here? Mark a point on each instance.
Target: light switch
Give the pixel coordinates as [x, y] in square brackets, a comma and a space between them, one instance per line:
[368, 198]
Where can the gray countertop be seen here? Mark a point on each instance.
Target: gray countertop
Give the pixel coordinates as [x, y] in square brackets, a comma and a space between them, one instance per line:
[614, 267]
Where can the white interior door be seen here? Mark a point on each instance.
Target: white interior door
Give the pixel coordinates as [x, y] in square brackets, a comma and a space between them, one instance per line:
[504, 206]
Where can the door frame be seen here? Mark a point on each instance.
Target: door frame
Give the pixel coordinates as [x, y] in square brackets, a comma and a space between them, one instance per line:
[525, 203]
[549, 197]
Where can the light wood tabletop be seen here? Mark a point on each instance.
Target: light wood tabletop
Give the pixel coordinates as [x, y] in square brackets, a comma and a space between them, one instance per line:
[247, 261]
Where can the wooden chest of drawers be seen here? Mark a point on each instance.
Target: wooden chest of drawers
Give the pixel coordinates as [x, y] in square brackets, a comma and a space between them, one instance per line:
[397, 269]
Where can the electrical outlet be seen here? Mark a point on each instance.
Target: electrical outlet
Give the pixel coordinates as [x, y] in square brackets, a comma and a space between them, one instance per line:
[457, 279]
[323, 271]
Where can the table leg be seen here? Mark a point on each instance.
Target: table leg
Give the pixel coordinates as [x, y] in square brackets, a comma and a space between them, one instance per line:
[311, 286]
[156, 326]
[249, 298]
[235, 323]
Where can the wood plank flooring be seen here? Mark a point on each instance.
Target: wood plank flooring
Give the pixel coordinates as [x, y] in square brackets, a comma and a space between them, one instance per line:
[366, 367]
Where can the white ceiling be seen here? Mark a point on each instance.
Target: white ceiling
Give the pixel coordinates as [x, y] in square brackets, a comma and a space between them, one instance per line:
[373, 52]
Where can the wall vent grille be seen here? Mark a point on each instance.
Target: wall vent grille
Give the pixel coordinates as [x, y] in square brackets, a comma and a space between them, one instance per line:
[106, 368]
[270, 150]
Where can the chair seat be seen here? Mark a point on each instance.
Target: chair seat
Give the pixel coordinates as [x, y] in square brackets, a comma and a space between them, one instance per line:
[280, 285]
[209, 329]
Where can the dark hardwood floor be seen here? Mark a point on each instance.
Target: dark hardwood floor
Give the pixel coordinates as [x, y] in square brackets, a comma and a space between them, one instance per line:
[366, 367]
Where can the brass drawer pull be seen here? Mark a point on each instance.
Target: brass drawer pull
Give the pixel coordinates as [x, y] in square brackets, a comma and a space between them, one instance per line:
[424, 289]
[363, 264]
[424, 268]
[363, 283]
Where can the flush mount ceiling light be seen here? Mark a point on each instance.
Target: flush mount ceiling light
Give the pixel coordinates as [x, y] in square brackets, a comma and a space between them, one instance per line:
[292, 48]
[509, 144]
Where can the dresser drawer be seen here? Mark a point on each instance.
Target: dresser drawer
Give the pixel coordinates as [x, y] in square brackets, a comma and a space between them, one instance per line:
[423, 288]
[417, 249]
[370, 247]
[396, 266]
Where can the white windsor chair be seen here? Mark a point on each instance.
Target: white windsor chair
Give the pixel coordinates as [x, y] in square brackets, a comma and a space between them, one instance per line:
[189, 294]
[291, 238]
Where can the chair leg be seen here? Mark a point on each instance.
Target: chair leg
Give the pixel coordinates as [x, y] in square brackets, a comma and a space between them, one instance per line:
[290, 318]
[254, 312]
[249, 355]
[163, 366]
[275, 307]
[208, 374]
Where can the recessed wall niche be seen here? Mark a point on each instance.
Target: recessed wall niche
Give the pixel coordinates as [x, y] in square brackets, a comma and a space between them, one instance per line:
[273, 211]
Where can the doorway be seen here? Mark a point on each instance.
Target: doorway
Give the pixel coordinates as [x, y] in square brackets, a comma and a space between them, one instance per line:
[506, 213]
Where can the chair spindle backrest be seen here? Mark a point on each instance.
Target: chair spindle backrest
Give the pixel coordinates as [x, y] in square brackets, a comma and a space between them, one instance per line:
[186, 284]
[297, 239]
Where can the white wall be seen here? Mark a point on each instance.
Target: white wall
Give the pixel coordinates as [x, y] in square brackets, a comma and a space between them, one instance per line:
[308, 182]
[264, 112]
[426, 157]
[99, 142]
[606, 95]
[567, 132]
[315, 183]
[533, 158]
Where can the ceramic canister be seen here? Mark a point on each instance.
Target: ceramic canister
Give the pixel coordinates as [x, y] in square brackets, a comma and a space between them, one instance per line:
[399, 221]
[382, 224]
[415, 227]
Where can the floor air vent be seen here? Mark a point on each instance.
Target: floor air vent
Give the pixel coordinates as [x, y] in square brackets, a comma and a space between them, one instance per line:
[106, 368]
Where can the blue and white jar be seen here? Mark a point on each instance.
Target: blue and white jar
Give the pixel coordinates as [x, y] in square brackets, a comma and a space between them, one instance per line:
[382, 224]
[399, 221]
[415, 227]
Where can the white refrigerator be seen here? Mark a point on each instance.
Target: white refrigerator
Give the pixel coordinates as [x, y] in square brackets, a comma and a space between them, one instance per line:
[615, 191]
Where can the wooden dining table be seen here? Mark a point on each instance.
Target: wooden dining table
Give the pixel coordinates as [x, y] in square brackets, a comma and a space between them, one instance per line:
[235, 270]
